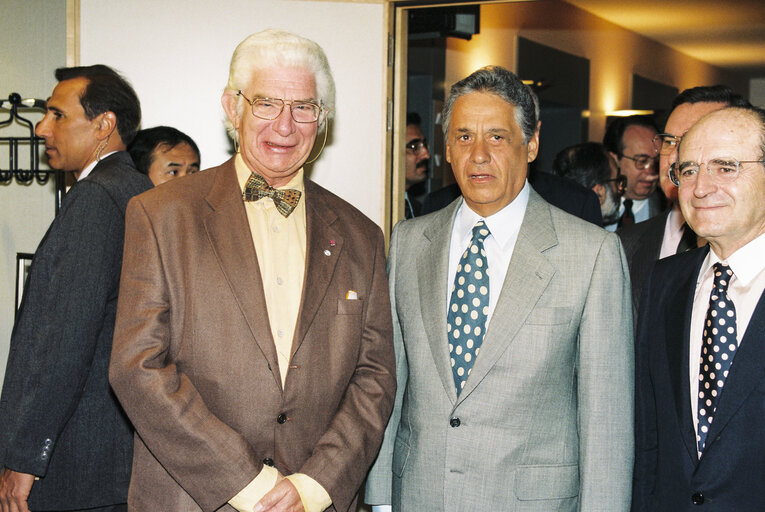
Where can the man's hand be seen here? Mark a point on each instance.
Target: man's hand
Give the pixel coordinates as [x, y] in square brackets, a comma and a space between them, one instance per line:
[283, 497]
[14, 490]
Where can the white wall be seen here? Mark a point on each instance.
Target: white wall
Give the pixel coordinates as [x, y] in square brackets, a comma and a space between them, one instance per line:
[33, 42]
[176, 54]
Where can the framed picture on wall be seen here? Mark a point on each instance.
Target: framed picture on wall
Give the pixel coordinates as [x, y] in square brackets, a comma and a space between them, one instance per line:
[23, 262]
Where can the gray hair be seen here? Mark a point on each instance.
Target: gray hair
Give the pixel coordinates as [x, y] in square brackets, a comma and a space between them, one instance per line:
[279, 48]
[505, 84]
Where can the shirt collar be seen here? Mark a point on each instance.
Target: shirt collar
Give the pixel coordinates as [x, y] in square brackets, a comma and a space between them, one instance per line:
[87, 170]
[243, 174]
[676, 220]
[746, 263]
[503, 225]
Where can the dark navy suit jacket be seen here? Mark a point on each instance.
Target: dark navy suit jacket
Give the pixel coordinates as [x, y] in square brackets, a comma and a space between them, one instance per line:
[730, 476]
[58, 417]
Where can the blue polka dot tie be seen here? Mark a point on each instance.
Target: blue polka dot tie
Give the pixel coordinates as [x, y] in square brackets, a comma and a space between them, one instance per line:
[718, 347]
[468, 307]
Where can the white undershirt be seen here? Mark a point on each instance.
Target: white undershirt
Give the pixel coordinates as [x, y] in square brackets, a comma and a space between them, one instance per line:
[745, 288]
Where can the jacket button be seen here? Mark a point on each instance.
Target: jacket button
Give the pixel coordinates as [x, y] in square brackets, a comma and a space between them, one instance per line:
[268, 462]
[455, 422]
[697, 498]
[281, 418]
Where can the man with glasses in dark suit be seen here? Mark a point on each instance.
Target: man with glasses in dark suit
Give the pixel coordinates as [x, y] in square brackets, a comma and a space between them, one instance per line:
[667, 233]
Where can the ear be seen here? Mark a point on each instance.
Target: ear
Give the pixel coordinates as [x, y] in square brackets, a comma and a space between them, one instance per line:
[448, 152]
[229, 101]
[105, 125]
[615, 157]
[533, 145]
[600, 191]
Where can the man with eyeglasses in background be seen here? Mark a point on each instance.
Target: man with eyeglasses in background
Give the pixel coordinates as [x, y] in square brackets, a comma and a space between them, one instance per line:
[630, 142]
[700, 410]
[417, 160]
[258, 369]
[590, 165]
[667, 233]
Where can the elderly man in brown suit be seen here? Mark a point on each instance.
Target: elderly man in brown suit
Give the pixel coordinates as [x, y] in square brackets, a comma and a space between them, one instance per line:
[253, 345]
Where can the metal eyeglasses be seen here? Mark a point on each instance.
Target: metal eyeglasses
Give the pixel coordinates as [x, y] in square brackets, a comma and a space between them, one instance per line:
[271, 108]
[722, 170]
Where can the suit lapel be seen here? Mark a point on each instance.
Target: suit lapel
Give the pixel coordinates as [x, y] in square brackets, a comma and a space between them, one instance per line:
[319, 265]
[677, 336]
[432, 269]
[745, 374]
[528, 274]
[229, 234]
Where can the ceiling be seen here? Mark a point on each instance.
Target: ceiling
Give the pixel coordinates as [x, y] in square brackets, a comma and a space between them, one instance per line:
[725, 33]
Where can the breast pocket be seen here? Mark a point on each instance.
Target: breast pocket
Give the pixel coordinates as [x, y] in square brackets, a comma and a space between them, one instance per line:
[350, 306]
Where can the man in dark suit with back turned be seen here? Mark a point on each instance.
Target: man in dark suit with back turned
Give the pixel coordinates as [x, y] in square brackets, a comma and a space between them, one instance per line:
[700, 409]
[65, 444]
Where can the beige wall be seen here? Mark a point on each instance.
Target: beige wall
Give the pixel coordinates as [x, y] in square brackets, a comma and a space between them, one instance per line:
[615, 53]
[33, 42]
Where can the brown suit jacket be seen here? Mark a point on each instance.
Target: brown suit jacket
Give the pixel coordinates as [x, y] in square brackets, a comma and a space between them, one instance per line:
[194, 363]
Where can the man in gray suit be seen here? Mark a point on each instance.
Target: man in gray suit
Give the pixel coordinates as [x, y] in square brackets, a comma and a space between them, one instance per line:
[536, 414]
[65, 443]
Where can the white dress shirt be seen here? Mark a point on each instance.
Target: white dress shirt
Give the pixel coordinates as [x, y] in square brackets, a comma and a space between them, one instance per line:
[745, 288]
[86, 170]
[673, 233]
[504, 227]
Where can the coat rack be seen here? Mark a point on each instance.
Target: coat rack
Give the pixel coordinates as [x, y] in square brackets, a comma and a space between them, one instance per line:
[14, 103]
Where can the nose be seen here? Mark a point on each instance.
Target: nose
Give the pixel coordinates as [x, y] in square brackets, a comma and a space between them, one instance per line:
[478, 154]
[425, 153]
[43, 127]
[284, 124]
[704, 184]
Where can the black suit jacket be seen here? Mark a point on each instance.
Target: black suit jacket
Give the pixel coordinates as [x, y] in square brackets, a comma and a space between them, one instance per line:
[642, 246]
[668, 473]
[58, 417]
[567, 195]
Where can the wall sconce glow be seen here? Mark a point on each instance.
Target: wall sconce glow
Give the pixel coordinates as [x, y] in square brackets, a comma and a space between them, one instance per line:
[627, 113]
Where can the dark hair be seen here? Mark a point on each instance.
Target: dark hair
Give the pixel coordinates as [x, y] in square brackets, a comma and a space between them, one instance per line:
[710, 94]
[413, 118]
[146, 141]
[498, 80]
[588, 164]
[615, 131]
[107, 91]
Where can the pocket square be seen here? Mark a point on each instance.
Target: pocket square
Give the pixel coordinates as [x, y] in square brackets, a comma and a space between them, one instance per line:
[351, 295]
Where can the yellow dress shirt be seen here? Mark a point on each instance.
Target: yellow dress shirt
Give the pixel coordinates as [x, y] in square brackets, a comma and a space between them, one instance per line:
[280, 243]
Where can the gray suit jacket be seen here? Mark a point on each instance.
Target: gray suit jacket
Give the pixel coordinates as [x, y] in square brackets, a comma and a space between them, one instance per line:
[58, 417]
[545, 419]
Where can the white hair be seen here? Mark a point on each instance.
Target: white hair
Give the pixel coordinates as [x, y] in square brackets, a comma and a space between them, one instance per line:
[278, 48]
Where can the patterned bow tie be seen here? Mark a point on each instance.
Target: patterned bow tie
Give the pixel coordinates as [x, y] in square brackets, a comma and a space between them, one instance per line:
[285, 200]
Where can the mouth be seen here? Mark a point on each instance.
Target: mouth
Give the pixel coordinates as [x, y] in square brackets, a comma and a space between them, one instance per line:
[281, 147]
[479, 177]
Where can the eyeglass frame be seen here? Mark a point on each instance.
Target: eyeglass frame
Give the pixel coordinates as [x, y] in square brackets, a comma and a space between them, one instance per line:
[321, 111]
[621, 182]
[663, 137]
[675, 179]
[418, 144]
[648, 158]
